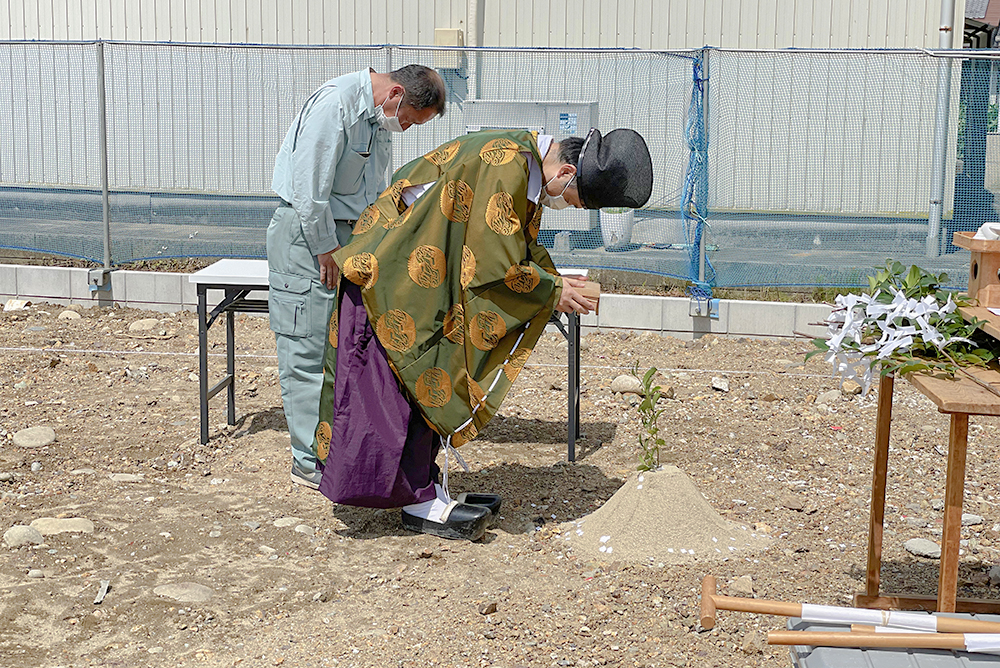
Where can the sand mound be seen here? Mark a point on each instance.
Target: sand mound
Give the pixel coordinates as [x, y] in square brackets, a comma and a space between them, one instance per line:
[660, 517]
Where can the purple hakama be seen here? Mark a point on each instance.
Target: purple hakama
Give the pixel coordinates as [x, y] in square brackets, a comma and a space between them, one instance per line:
[381, 451]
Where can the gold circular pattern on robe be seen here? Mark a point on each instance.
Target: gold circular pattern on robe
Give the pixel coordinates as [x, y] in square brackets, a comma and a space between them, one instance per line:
[433, 387]
[396, 330]
[516, 363]
[500, 214]
[334, 327]
[454, 324]
[468, 267]
[398, 221]
[535, 224]
[456, 201]
[443, 154]
[486, 330]
[521, 278]
[368, 220]
[323, 434]
[395, 191]
[476, 394]
[362, 269]
[467, 433]
[426, 266]
[498, 152]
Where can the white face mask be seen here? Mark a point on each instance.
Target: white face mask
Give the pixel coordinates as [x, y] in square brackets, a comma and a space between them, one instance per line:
[557, 202]
[390, 123]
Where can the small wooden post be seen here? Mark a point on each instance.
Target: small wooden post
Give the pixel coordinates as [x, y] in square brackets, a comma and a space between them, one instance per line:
[954, 491]
[880, 470]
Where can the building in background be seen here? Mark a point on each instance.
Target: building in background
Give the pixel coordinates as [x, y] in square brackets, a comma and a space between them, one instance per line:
[643, 24]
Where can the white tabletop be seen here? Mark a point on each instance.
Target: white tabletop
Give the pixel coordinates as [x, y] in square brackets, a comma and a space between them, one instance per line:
[233, 272]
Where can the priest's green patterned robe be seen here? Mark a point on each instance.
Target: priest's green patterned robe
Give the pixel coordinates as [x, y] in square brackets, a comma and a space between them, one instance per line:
[456, 285]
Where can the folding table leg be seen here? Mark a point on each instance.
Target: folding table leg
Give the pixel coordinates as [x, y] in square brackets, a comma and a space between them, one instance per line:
[203, 360]
[231, 367]
[573, 408]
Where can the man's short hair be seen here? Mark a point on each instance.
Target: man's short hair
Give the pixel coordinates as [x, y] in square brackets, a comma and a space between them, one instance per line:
[569, 150]
[424, 87]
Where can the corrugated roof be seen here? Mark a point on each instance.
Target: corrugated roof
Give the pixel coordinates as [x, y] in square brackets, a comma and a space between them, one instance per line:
[976, 9]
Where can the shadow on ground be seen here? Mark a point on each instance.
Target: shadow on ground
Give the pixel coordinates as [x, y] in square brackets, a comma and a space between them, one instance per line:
[532, 497]
[920, 578]
[507, 429]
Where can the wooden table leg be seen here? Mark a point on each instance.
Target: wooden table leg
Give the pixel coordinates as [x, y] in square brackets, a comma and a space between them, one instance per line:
[879, 474]
[954, 490]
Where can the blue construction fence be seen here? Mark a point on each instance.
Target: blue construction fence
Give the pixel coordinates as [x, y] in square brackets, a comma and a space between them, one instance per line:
[771, 168]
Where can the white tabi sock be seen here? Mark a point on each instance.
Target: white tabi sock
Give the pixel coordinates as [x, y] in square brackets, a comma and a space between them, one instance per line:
[430, 510]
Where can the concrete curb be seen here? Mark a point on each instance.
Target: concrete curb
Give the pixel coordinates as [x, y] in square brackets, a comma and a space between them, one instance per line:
[665, 316]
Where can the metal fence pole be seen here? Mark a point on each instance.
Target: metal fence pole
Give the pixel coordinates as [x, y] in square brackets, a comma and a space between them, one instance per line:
[703, 178]
[940, 149]
[102, 120]
[388, 67]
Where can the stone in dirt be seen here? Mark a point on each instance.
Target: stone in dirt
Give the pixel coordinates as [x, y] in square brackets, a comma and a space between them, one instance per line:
[627, 384]
[793, 502]
[35, 437]
[287, 521]
[126, 477]
[720, 384]
[19, 535]
[660, 515]
[69, 315]
[185, 592]
[828, 397]
[850, 388]
[143, 325]
[742, 586]
[48, 526]
[923, 548]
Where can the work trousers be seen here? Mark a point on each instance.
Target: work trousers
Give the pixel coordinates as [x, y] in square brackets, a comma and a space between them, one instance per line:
[300, 307]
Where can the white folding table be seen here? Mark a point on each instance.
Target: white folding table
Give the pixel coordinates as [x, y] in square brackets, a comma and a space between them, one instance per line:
[238, 278]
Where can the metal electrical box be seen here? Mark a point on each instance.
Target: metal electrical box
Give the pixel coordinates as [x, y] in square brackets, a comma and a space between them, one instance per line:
[559, 118]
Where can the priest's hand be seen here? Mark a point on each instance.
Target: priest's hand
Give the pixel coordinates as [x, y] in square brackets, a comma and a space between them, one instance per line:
[328, 269]
[571, 301]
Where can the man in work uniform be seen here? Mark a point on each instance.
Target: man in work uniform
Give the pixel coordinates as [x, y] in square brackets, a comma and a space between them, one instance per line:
[445, 292]
[331, 166]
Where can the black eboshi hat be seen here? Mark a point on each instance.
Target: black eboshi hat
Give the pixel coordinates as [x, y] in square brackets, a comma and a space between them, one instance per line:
[614, 170]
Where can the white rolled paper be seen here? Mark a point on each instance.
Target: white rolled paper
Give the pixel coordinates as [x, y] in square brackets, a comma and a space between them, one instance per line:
[900, 620]
[982, 642]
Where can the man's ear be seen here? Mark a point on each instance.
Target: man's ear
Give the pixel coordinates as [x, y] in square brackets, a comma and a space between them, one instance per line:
[567, 169]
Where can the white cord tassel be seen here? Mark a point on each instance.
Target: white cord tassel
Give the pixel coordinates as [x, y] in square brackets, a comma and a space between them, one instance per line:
[449, 448]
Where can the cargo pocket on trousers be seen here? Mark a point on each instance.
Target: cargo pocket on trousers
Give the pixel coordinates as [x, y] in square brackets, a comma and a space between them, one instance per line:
[288, 303]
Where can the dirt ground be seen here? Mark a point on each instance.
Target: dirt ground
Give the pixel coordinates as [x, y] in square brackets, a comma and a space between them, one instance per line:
[296, 581]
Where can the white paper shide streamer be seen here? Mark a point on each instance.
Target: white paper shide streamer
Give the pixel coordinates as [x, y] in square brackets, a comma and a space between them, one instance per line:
[859, 317]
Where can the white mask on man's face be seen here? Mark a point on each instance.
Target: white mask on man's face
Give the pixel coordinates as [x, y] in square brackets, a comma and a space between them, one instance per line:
[555, 202]
[390, 123]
